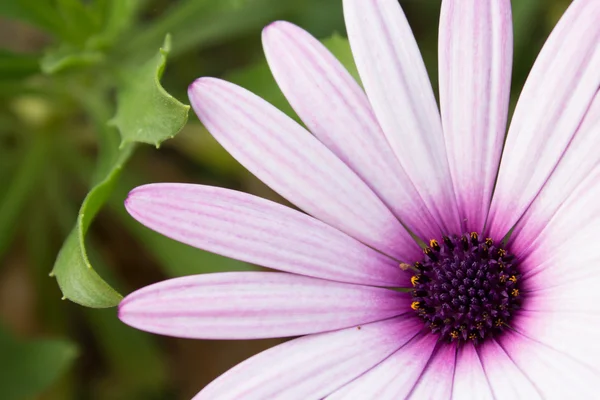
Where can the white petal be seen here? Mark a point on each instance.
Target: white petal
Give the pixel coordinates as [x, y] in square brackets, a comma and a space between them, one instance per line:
[436, 381]
[556, 96]
[506, 379]
[336, 110]
[573, 172]
[555, 374]
[255, 305]
[259, 231]
[470, 381]
[296, 165]
[313, 366]
[395, 377]
[475, 62]
[399, 90]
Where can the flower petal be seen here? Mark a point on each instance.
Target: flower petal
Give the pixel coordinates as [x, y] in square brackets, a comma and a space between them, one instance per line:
[470, 381]
[563, 253]
[572, 332]
[475, 48]
[253, 305]
[399, 90]
[296, 165]
[436, 380]
[573, 171]
[259, 231]
[505, 378]
[396, 376]
[556, 375]
[336, 110]
[555, 98]
[313, 366]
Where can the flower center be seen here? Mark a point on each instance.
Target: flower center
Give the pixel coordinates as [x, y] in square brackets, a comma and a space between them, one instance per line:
[466, 289]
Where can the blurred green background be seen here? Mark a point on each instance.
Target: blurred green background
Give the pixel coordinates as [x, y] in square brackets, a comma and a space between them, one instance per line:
[81, 113]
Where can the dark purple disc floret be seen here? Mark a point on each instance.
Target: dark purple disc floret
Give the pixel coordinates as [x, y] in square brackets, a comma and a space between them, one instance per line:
[466, 289]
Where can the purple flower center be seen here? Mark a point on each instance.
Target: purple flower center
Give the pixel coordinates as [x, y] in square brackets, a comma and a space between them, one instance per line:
[466, 289]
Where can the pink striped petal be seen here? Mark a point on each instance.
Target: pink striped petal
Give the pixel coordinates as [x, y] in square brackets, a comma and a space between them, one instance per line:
[470, 381]
[296, 165]
[336, 110]
[475, 48]
[505, 378]
[399, 90]
[313, 366]
[395, 377]
[555, 374]
[252, 305]
[258, 231]
[436, 380]
[555, 98]
[573, 172]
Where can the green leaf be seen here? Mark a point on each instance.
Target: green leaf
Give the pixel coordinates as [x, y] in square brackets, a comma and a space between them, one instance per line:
[77, 279]
[29, 368]
[146, 112]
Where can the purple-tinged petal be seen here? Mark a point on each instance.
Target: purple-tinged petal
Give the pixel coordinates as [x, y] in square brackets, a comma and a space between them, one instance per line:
[296, 165]
[399, 90]
[505, 378]
[556, 96]
[470, 381]
[313, 366]
[563, 253]
[336, 110]
[573, 171]
[555, 374]
[254, 305]
[475, 49]
[259, 231]
[396, 376]
[436, 381]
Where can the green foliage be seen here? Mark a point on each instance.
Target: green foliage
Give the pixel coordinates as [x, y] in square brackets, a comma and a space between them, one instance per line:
[28, 368]
[145, 111]
[77, 279]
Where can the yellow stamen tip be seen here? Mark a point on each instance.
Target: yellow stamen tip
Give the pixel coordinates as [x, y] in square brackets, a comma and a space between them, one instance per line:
[415, 305]
[515, 292]
[434, 244]
[414, 280]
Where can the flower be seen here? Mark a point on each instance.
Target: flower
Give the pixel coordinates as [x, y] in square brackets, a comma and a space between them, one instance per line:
[480, 317]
